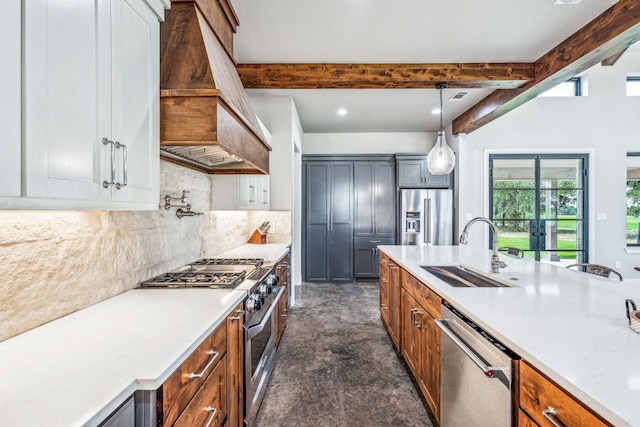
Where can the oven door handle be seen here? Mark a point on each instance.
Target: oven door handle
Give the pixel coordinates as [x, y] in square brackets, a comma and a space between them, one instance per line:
[255, 330]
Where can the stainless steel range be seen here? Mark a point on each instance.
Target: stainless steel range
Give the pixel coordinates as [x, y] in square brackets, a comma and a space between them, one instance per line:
[259, 322]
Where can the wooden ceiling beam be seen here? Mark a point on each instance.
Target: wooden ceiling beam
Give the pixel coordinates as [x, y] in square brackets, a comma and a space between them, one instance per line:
[611, 32]
[385, 76]
[611, 61]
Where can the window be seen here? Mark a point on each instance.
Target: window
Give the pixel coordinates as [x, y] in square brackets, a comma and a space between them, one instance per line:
[633, 86]
[569, 88]
[633, 199]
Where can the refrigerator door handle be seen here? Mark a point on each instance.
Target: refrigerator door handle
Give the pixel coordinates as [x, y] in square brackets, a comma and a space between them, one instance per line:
[427, 220]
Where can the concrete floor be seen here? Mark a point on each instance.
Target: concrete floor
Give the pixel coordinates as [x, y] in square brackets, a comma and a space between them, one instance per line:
[336, 365]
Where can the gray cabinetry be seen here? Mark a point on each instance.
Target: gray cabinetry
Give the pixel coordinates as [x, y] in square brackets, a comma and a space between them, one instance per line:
[375, 213]
[328, 221]
[412, 172]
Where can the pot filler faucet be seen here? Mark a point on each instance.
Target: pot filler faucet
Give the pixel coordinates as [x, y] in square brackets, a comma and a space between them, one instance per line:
[464, 239]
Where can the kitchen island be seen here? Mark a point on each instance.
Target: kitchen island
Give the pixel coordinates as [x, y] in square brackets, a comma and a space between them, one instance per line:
[76, 370]
[571, 326]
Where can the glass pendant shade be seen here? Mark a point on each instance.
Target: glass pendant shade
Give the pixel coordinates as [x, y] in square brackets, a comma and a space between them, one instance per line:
[441, 159]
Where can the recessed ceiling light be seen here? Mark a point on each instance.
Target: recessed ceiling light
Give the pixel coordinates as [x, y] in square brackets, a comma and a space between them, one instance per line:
[567, 1]
[342, 112]
[435, 111]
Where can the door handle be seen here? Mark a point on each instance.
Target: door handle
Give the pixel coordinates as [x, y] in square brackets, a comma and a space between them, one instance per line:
[427, 219]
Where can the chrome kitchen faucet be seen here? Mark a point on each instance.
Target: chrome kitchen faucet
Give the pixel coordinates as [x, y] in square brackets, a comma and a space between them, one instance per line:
[464, 238]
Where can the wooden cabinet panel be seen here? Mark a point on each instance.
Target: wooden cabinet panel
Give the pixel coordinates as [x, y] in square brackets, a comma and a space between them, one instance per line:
[176, 393]
[411, 340]
[421, 337]
[538, 393]
[422, 293]
[394, 303]
[524, 420]
[235, 366]
[384, 300]
[209, 405]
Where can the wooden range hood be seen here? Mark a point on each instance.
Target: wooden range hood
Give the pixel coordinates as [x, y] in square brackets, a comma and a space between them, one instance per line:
[206, 120]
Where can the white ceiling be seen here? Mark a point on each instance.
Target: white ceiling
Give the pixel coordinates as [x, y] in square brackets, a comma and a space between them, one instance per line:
[405, 31]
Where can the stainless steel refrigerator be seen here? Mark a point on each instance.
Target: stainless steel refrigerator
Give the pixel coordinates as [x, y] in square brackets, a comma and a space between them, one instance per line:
[426, 217]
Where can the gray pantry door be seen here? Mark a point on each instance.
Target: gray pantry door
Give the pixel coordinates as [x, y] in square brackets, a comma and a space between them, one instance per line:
[328, 221]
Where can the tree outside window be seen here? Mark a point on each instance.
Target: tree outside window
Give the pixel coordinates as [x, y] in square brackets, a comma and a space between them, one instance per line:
[633, 199]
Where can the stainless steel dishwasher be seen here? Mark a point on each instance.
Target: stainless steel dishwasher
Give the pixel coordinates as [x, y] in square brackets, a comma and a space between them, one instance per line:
[476, 374]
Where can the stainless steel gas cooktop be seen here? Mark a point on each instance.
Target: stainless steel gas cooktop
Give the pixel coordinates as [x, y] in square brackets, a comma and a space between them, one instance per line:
[215, 273]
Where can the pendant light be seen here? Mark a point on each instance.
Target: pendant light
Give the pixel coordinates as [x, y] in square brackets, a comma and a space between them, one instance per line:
[441, 159]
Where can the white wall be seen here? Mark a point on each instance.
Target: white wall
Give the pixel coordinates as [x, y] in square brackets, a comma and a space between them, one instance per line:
[280, 116]
[367, 143]
[605, 124]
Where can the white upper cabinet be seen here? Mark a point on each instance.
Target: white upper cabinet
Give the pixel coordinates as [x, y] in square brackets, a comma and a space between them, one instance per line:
[91, 75]
[135, 104]
[10, 98]
[253, 192]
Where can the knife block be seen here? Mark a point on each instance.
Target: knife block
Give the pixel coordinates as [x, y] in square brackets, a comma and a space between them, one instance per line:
[258, 238]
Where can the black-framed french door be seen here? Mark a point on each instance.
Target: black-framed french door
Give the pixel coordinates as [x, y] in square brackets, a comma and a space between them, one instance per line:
[539, 203]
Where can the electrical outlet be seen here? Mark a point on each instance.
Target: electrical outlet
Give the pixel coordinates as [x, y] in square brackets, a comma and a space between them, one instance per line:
[617, 264]
[272, 229]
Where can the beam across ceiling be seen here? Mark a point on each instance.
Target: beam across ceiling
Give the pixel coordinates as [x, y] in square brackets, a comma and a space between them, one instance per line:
[610, 33]
[385, 76]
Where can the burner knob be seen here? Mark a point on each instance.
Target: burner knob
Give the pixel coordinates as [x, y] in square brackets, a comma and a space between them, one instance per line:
[263, 289]
[253, 303]
[271, 279]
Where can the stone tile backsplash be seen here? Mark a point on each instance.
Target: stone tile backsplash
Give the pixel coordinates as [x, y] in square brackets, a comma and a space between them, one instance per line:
[53, 263]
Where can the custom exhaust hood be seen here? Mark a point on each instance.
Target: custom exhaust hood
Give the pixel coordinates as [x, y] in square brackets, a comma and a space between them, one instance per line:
[207, 122]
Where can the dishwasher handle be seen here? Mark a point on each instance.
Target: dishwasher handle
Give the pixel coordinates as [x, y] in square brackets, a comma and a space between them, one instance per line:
[489, 371]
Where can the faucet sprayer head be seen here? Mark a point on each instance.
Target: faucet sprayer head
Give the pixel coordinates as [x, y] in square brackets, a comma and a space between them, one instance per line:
[464, 238]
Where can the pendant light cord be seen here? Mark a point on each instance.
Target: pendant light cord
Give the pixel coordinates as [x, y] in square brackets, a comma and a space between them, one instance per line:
[440, 108]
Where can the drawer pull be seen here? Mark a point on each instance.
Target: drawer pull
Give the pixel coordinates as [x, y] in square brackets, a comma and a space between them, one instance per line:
[211, 409]
[215, 355]
[240, 315]
[551, 415]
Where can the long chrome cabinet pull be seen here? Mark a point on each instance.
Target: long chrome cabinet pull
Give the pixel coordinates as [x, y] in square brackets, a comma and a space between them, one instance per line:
[215, 355]
[213, 415]
[107, 184]
[551, 415]
[489, 371]
[125, 165]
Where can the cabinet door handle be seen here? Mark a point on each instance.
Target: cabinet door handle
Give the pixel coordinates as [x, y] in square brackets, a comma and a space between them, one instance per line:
[215, 355]
[125, 165]
[213, 415]
[107, 184]
[239, 316]
[265, 197]
[375, 241]
[551, 415]
[252, 193]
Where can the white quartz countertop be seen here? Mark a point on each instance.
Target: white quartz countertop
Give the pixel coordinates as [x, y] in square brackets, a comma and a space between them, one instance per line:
[269, 251]
[570, 325]
[76, 370]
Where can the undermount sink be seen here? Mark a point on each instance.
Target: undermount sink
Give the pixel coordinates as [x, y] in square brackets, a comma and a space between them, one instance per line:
[462, 277]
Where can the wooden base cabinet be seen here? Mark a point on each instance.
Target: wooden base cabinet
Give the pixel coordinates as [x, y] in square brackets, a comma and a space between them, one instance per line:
[207, 388]
[548, 404]
[282, 272]
[421, 337]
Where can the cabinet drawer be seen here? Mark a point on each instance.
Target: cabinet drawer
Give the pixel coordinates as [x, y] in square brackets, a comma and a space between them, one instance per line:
[422, 293]
[209, 405]
[180, 387]
[374, 241]
[537, 393]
